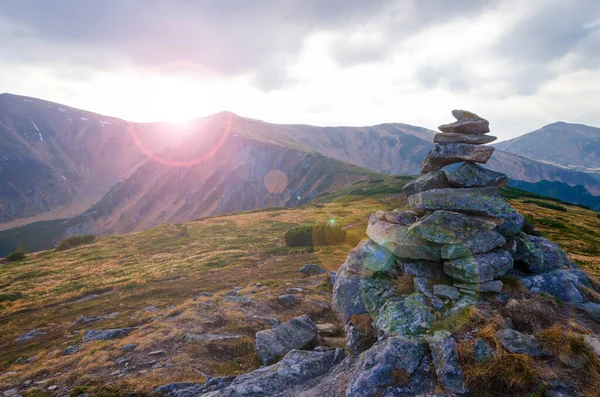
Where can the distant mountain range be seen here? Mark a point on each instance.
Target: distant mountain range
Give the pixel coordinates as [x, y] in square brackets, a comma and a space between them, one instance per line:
[105, 175]
[574, 146]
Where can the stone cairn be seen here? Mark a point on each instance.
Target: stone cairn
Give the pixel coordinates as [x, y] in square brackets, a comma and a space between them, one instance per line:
[434, 260]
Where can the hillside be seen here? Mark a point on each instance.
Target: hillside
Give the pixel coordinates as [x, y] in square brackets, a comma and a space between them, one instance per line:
[148, 280]
[574, 146]
[57, 162]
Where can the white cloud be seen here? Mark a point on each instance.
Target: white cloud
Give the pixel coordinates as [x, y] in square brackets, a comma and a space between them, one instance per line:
[410, 64]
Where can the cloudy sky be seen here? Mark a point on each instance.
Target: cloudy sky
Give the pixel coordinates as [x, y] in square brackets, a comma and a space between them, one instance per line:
[521, 64]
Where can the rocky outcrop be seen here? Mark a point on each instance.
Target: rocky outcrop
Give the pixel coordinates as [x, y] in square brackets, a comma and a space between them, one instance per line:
[433, 260]
[422, 269]
[298, 333]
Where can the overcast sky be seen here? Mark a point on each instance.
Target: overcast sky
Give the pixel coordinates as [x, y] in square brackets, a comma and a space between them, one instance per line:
[521, 64]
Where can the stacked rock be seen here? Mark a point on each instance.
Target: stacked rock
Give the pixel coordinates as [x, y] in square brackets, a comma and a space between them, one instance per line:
[465, 213]
[430, 262]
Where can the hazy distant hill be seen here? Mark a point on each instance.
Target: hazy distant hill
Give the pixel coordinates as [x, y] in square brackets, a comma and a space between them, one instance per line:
[59, 162]
[575, 146]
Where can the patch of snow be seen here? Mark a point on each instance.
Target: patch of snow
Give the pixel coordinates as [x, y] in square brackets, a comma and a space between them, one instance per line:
[70, 120]
[35, 126]
[41, 137]
[84, 119]
[103, 123]
[62, 110]
[28, 100]
[64, 177]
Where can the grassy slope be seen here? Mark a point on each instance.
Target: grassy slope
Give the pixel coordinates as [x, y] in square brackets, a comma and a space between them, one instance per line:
[156, 273]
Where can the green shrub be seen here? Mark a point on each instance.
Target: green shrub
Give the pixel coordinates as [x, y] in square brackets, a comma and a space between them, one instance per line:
[74, 241]
[529, 226]
[552, 223]
[546, 205]
[316, 235]
[17, 255]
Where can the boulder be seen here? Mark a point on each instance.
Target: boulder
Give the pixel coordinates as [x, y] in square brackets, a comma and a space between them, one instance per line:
[375, 257]
[539, 254]
[409, 316]
[516, 342]
[563, 284]
[311, 269]
[357, 292]
[289, 300]
[359, 338]
[444, 154]
[473, 175]
[422, 381]
[479, 268]
[432, 180]
[481, 201]
[376, 368]
[448, 227]
[445, 362]
[347, 290]
[593, 342]
[451, 137]
[478, 244]
[296, 368]
[398, 240]
[482, 351]
[592, 309]
[298, 333]
[105, 334]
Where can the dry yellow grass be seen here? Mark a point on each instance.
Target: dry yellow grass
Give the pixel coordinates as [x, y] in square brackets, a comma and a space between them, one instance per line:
[140, 274]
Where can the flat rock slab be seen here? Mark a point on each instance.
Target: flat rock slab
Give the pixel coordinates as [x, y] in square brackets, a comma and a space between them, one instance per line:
[450, 137]
[105, 334]
[298, 333]
[377, 366]
[563, 284]
[466, 123]
[446, 291]
[478, 244]
[481, 201]
[479, 268]
[398, 240]
[473, 175]
[488, 286]
[519, 343]
[297, 368]
[209, 337]
[432, 180]
[448, 227]
[470, 127]
[444, 154]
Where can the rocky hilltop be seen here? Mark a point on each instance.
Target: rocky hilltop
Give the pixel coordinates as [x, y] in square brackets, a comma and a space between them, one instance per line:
[453, 296]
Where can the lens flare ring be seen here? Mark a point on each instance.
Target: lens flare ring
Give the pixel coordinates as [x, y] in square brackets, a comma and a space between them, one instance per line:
[172, 163]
